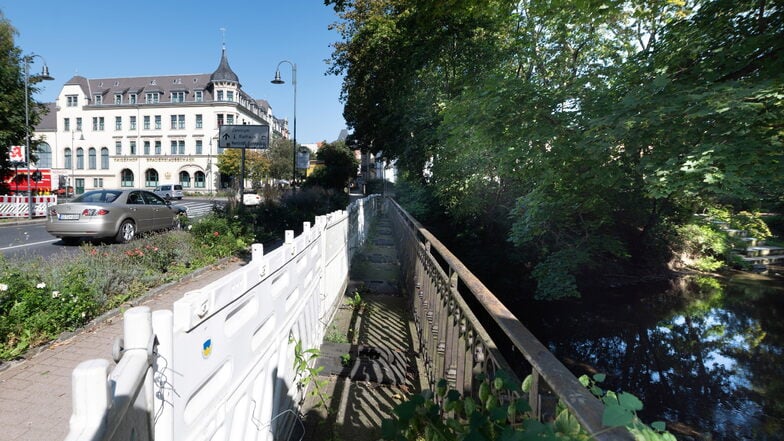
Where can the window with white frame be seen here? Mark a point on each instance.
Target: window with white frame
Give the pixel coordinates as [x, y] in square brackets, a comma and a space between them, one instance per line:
[91, 158]
[199, 121]
[80, 158]
[198, 96]
[71, 100]
[78, 124]
[133, 122]
[181, 122]
[118, 123]
[66, 124]
[146, 147]
[118, 148]
[230, 95]
[104, 158]
[219, 97]
[157, 122]
[229, 119]
[198, 146]
[147, 122]
[132, 98]
[152, 98]
[98, 182]
[157, 147]
[117, 98]
[181, 147]
[174, 147]
[133, 147]
[178, 97]
[98, 99]
[98, 123]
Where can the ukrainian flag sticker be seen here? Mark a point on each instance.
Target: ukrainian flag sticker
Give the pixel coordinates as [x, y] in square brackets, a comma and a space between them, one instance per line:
[206, 348]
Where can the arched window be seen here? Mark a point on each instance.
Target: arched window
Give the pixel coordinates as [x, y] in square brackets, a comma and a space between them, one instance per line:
[104, 158]
[151, 178]
[91, 158]
[185, 179]
[68, 158]
[80, 158]
[198, 179]
[44, 153]
[126, 178]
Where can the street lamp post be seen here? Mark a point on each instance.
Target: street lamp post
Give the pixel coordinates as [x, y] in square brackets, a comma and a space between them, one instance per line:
[278, 80]
[44, 76]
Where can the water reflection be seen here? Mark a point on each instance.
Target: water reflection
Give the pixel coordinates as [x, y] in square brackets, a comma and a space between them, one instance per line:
[704, 355]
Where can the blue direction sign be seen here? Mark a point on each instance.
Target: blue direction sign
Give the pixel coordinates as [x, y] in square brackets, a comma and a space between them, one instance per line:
[244, 136]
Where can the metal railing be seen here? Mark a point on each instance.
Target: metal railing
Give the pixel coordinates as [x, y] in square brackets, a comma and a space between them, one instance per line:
[456, 346]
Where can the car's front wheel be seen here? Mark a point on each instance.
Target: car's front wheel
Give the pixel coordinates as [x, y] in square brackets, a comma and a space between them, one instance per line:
[126, 232]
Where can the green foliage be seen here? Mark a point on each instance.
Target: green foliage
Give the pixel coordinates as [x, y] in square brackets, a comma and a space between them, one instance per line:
[345, 359]
[257, 164]
[598, 129]
[335, 335]
[356, 302]
[498, 411]
[339, 166]
[307, 375]
[221, 236]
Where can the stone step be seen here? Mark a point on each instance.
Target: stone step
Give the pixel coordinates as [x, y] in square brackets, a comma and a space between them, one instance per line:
[762, 251]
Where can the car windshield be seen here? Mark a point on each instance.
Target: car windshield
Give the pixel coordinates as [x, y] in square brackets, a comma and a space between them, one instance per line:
[98, 197]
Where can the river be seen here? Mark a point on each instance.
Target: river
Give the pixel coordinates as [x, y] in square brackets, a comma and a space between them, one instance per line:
[705, 354]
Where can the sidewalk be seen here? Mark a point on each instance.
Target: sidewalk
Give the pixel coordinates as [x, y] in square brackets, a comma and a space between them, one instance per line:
[35, 393]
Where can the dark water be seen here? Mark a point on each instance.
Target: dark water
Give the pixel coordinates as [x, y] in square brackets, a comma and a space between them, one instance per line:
[706, 355]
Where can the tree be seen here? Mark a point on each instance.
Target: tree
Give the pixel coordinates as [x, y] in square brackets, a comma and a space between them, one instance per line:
[281, 157]
[339, 166]
[257, 164]
[12, 97]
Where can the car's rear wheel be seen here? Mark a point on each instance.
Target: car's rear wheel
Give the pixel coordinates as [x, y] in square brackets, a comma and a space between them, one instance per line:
[126, 232]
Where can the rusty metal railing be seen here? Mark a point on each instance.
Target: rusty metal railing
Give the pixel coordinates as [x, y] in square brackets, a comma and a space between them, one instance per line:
[454, 344]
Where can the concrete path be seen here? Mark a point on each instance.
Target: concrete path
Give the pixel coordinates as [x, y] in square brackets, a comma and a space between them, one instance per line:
[35, 393]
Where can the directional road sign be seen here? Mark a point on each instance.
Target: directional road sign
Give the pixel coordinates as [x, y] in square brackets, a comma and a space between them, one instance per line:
[244, 136]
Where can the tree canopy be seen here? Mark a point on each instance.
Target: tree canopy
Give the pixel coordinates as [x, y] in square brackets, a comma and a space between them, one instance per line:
[581, 133]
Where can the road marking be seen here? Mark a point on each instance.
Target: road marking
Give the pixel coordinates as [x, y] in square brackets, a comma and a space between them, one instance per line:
[29, 244]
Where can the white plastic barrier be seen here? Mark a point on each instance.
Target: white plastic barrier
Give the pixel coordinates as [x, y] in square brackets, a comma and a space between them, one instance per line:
[19, 206]
[223, 362]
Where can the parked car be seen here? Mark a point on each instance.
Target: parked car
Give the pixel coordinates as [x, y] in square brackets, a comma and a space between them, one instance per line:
[169, 191]
[118, 214]
[250, 197]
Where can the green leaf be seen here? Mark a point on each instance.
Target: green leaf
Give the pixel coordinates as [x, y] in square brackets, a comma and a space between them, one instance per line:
[629, 401]
[406, 411]
[616, 416]
[527, 383]
[661, 426]
[599, 377]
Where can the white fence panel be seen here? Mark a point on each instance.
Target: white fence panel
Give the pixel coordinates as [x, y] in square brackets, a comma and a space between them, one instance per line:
[223, 365]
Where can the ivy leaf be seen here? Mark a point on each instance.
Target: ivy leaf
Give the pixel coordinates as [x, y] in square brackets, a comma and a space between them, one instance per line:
[599, 377]
[661, 426]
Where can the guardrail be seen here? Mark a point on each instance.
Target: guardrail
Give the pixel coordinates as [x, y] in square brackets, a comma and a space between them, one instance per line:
[220, 365]
[456, 346]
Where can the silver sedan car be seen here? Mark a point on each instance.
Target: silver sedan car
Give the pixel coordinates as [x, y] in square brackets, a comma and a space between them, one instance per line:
[118, 214]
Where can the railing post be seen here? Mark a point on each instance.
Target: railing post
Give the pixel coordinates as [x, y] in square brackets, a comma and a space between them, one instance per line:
[90, 399]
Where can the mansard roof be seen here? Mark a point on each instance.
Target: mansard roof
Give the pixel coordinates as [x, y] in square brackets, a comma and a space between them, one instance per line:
[224, 72]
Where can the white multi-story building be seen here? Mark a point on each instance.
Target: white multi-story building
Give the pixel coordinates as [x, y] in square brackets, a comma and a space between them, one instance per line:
[143, 131]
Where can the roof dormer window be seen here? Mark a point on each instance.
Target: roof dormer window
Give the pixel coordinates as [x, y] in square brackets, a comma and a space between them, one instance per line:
[98, 99]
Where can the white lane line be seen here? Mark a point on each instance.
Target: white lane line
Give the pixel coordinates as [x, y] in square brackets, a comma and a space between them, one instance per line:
[29, 244]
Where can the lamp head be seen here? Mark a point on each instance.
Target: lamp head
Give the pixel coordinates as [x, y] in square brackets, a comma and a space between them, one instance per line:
[277, 79]
[45, 74]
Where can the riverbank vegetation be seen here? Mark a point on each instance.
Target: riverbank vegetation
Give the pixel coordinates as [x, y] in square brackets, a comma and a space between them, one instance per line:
[561, 140]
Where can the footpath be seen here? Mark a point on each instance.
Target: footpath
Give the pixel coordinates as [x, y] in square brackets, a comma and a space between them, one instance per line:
[35, 393]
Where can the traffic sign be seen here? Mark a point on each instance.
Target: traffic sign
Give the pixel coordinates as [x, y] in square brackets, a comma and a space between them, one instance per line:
[245, 136]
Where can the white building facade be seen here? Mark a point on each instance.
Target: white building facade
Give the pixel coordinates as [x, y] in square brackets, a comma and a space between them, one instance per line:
[140, 132]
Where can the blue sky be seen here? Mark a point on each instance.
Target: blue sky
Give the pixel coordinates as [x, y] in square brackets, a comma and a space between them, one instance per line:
[105, 39]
